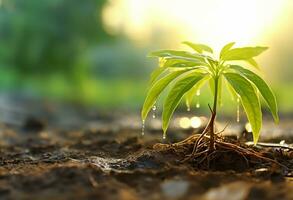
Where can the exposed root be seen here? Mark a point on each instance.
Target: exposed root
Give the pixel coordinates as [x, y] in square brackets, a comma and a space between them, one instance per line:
[212, 149]
[202, 157]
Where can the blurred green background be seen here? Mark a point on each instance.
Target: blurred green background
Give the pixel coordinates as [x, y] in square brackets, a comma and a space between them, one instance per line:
[93, 52]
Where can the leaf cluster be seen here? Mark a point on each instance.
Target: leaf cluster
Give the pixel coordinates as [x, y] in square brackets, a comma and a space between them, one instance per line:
[186, 72]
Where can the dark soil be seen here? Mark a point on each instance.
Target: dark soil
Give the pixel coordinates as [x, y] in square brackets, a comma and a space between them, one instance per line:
[39, 161]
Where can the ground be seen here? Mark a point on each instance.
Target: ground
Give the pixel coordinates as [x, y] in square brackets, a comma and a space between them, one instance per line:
[105, 157]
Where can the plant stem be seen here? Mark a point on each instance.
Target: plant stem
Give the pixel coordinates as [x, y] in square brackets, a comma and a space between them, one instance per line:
[214, 113]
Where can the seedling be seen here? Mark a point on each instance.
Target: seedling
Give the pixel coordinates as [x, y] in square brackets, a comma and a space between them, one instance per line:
[186, 72]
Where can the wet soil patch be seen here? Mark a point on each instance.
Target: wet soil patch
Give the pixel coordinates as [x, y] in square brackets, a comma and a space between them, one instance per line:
[48, 163]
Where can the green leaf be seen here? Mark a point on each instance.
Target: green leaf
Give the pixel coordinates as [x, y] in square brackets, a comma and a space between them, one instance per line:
[250, 101]
[181, 63]
[226, 48]
[175, 54]
[262, 87]
[156, 90]
[200, 48]
[190, 94]
[176, 93]
[231, 90]
[244, 53]
[220, 90]
[253, 63]
[212, 62]
[155, 74]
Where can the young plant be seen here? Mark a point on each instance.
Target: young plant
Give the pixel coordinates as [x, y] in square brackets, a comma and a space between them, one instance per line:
[187, 72]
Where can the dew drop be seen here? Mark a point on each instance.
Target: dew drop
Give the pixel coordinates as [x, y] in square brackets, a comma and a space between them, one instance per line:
[198, 93]
[188, 107]
[197, 101]
[164, 136]
[197, 104]
[154, 108]
[142, 127]
[238, 110]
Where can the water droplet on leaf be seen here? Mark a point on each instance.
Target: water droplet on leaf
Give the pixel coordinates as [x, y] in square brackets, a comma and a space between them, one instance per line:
[188, 107]
[198, 93]
[197, 101]
[164, 136]
[154, 108]
[197, 104]
[142, 127]
[238, 110]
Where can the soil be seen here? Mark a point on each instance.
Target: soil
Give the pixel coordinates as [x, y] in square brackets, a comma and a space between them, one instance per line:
[42, 160]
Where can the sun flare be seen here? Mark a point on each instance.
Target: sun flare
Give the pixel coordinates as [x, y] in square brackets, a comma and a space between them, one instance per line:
[214, 22]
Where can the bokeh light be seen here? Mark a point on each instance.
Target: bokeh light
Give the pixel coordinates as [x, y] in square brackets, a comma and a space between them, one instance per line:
[184, 122]
[195, 122]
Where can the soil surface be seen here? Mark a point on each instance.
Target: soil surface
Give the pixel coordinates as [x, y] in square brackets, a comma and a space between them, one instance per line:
[106, 158]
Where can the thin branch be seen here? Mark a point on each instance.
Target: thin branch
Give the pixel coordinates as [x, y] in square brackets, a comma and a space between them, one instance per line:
[211, 109]
[222, 129]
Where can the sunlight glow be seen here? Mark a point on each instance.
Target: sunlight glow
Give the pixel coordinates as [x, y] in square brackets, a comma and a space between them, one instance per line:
[184, 122]
[195, 122]
[214, 22]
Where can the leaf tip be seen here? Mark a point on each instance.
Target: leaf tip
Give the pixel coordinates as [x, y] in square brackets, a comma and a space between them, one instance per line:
[164, 128]
[256, 134]
[255, 139]
[277, 119]
[264, 48]
[150, 55]
[164, 135]
[143, 115]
